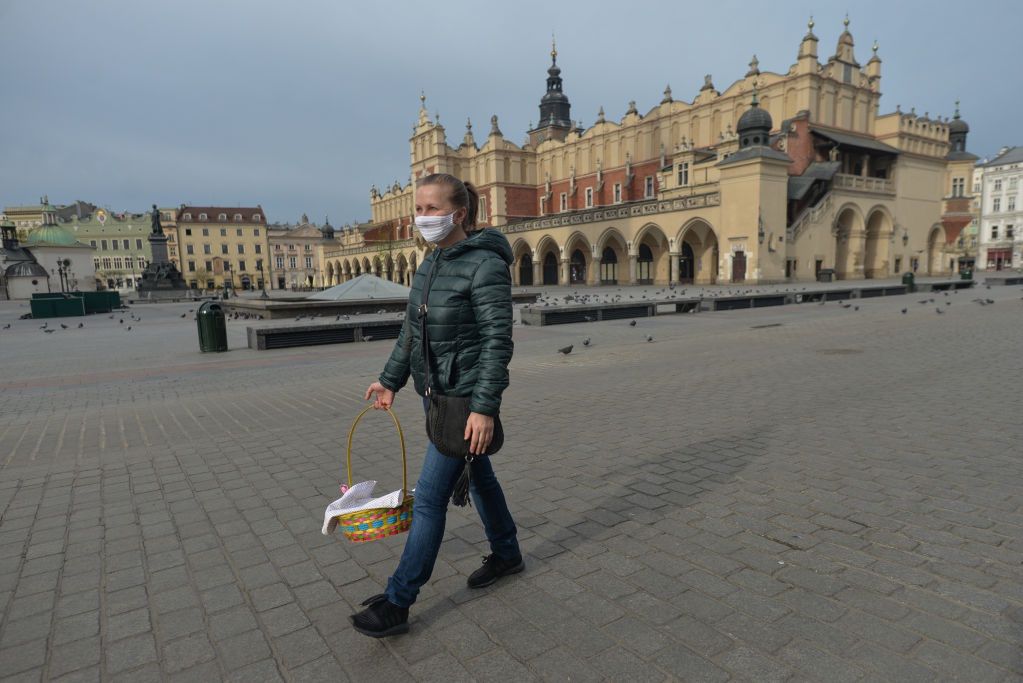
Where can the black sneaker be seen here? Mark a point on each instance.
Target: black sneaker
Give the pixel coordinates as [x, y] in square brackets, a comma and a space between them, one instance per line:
[381, 618]
[494, 568]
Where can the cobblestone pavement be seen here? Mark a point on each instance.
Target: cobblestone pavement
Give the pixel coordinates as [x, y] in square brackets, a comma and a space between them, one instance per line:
[806, 492]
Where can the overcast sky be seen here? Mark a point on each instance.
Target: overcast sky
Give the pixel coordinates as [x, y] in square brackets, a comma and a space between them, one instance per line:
[302, 106]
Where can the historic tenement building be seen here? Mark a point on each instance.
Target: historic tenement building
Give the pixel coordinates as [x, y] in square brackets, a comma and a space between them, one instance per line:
[220, 243]
[1001, 228]
[774, 178]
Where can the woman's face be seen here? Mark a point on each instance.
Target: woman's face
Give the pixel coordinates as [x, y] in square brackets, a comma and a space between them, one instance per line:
[435, 200]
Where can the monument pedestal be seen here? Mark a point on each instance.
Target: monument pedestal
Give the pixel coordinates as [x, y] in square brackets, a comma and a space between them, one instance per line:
[161, 279]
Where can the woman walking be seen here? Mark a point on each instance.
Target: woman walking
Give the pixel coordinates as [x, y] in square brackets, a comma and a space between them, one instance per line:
[469, 323]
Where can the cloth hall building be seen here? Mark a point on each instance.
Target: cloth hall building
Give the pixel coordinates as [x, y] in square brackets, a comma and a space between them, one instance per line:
[775, 178]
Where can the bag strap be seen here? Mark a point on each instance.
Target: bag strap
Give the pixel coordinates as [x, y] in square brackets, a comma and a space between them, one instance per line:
[423, 310]
[401, 439]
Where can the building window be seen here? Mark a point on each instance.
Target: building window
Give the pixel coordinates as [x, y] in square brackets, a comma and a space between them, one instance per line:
[648, 191]
[308, 261]
[238, 219]
[241, 266]
[129, 262]
[683, 173]
[564, 201]
[186, 217]
[92, 243]
[117, 263]
[292, 262]
[996, 204]
[104, 244]
[256, 217]
[138, 243]
[238, 232]
[280, 262]
[189, 249]
[188, 232]
[1009, 232]
[209, 266]
[994, 232]
[898, 263]
[543, 206]
[481, 212]
[223, 248]
[207, 249]
[1011, 204]
[241, 248]
[976, 187]
[113, 245]
[126, 244]
[259, 264]
[618, 193]
[173, 251]
[203, 217]
[106, 263]
[291, 247]
[259, 249]
[223, 232]
[589, 197]
[308, 247]
[998, 185]
[205, 232]
[957, 186]
[95, 264]
[256, 232]
[222, 217]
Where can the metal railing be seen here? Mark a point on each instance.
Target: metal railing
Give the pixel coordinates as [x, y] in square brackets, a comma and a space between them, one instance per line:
[863, 183]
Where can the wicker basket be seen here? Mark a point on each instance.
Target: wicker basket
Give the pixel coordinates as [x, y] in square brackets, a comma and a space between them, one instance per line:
[377, 523]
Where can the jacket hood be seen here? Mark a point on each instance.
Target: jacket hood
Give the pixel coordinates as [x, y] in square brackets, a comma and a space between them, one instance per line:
[487, 238]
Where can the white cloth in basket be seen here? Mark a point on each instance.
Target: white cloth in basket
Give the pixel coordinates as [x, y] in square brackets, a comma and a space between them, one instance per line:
[358, 497]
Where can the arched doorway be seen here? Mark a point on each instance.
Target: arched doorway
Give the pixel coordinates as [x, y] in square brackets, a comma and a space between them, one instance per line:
[644, 265]
[577, 268]
[526, 270]
[700, 247]
[935, 242]
[246, 282]
[686, 263]
[848, 229]
[875, 248]
[550, 269]
[738, 266]
[609, 267]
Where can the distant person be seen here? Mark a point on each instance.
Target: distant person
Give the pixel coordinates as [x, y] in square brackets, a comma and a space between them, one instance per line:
[469, 321]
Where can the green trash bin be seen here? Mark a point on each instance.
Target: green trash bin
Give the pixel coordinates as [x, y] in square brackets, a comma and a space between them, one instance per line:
[966, 274]
[212, 325]
[909, 280]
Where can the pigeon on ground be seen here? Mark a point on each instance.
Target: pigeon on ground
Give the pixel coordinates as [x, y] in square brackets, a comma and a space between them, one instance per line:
[183, 315]
[922, 302]
[649, 338]
[587, 318]
[939, 311]
[7, 326]
[63, 326]
[848, 306]
[112, 317]
[904, 311]
[129, 328]
[856, 308]
[632, 323]
[586, 342]
[990, 301]
[565, 350]
[81, 325]
[121, 321]
[49, 331]
[367, 337]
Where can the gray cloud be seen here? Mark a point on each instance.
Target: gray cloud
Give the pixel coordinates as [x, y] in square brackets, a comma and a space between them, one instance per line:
[302, 106]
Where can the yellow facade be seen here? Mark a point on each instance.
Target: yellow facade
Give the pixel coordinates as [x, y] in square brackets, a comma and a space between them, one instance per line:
[218, 244]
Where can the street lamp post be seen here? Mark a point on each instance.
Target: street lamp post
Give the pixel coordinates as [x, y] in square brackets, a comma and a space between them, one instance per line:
[64, 271]
[262, 280]
[227, 275]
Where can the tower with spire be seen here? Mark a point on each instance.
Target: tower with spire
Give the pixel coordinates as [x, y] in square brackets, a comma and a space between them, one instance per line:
[555, 109]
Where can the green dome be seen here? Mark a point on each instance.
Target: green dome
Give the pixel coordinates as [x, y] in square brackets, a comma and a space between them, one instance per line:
[50, 236]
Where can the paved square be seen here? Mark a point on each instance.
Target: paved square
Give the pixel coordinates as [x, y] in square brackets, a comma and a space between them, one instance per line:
[807, 492]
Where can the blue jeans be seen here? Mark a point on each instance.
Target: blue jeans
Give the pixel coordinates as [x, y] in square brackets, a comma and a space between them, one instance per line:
[429, 511]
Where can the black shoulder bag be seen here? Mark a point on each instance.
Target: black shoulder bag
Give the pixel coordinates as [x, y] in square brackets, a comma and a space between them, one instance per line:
[446, 416]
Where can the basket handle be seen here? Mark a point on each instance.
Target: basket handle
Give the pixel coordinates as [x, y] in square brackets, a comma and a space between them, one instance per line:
[401, 438]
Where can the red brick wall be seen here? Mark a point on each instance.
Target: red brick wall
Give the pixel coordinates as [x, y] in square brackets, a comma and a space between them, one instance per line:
[521, 202]
[799, 147]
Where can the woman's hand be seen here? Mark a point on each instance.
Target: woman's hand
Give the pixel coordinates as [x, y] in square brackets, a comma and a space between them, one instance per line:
[383, 397]
[479, 431]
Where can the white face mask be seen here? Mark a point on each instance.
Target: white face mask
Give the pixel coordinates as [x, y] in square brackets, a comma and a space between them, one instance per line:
[435, 228]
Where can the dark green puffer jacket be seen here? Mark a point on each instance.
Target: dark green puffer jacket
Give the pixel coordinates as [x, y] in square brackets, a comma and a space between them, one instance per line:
[469, 323]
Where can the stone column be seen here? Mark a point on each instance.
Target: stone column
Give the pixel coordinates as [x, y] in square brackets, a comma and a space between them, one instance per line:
[564, 279]
[673, 267]
[633, 258]
[537, 272]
